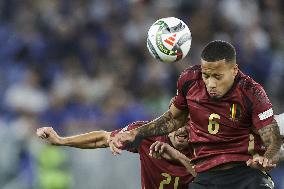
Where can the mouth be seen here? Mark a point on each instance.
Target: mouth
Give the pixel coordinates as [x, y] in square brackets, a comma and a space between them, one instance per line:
[181, 137]
[212, 92]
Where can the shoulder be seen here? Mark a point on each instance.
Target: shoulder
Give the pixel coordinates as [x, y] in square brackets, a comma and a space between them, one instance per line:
[252, 90]
[191, 73]
[247, 83]
[188, 77]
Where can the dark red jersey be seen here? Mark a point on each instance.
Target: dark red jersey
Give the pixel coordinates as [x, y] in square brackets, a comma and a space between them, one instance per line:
[159, 173]
[221, 130]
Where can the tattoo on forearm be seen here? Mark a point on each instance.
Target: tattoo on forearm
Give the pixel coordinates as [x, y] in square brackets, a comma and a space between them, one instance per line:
[271, 137]
[161, 126]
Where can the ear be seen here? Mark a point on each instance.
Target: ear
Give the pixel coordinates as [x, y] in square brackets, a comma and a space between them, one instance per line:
[235, 69]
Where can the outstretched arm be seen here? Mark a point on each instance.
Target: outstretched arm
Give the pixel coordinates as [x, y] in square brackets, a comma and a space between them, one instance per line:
[91, 140]
[170, 121]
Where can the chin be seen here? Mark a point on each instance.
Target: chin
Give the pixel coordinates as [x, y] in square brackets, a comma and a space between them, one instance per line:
[216, 97]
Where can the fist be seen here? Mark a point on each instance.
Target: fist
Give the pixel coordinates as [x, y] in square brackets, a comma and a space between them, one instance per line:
[48, 135]
[261, 163]
[122, 140]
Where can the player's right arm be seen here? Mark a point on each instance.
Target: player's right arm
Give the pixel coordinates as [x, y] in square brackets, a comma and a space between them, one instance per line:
[91, 140]
[170, 121]
[177, 114]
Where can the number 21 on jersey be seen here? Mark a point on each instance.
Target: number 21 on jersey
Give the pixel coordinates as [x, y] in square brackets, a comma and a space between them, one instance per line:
[167, 180]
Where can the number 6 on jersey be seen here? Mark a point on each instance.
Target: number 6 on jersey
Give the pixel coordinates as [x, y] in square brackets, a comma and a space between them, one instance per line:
[213, 126]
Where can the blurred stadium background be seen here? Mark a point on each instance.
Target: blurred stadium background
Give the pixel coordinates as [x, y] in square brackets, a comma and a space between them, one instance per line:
[83, 65]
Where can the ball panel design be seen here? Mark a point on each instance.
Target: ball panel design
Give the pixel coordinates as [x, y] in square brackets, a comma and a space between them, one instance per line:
[169, 39]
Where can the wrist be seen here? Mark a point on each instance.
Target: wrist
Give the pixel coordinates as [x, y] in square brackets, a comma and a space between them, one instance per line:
[177, 156]
[174, 153]
[62, 141]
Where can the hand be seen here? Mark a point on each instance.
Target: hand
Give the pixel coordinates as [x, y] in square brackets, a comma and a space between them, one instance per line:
[49, 135]
[160, 149]
[261, 163]
[121, 140]
[164, 150]
[112, 142]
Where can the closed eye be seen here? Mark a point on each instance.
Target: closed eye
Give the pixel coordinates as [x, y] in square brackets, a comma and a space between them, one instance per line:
[204, 75]
[218, 76]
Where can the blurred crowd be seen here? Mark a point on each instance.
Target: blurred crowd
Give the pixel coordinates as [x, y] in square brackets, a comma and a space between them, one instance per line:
[83, 65]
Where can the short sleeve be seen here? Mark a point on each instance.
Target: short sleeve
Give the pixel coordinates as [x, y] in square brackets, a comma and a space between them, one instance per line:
[262, 112]
[180, 99]
[186, 80]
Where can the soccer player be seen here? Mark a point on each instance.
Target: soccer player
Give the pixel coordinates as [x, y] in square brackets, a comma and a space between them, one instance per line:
[173, 171]
[224, 106]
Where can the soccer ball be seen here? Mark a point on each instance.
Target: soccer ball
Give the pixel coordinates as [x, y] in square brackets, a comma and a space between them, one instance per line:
[169, 39]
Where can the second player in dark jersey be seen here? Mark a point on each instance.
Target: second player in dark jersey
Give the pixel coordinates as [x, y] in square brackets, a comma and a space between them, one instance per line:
[157, 173]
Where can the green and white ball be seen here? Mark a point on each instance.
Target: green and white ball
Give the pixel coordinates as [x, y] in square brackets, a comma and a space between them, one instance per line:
[169, 39]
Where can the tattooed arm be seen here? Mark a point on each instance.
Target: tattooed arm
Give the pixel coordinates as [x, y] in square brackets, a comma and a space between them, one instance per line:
[170, 121]
[271, 137]
[165, 124]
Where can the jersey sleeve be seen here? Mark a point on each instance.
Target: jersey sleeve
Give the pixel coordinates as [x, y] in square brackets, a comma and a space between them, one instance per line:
[180, 100]
[185, 81]
[129, 127]
[262, 112]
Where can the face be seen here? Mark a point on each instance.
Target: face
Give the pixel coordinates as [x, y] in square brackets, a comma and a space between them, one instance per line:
[179, 138]
[218, 77]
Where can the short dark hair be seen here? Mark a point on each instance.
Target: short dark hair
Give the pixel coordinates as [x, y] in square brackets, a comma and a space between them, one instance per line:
[219, 50]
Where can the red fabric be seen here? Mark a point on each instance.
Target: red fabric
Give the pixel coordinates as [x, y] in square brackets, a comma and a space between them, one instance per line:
[155, 172]
[231, 141]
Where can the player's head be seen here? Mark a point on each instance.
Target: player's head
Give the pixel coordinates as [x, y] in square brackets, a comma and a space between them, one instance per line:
[179, 138]
[219, 68]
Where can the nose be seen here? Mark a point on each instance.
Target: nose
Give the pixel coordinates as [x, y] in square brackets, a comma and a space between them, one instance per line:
[211, 83]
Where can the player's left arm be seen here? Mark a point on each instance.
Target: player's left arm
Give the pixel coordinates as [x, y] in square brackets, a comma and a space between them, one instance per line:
[271, 137]
[264, 122]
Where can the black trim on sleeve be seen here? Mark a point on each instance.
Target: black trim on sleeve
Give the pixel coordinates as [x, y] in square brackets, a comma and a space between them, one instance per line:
[186, 86]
